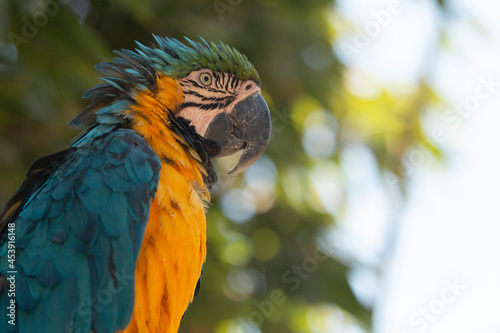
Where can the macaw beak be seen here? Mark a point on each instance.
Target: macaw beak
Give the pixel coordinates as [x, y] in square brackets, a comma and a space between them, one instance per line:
[246, 127]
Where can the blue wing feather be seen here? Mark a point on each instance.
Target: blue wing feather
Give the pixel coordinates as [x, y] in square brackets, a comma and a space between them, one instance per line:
[78, 235]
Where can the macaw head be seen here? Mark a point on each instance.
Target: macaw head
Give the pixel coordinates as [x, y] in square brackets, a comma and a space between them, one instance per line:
[221, 94]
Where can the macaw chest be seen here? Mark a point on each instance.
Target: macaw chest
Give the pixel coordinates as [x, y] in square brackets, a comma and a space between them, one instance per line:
[171, 256]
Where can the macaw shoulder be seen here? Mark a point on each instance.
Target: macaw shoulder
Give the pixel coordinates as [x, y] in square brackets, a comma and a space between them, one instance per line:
[79, 226]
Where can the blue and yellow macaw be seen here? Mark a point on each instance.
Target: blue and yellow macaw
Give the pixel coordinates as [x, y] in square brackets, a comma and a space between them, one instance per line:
[110, 234]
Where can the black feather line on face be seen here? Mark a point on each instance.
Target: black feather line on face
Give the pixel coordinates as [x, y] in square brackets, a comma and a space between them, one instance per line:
[216, 99]
[192, 83]
[211, 106]
[194, 93]
[189, 104]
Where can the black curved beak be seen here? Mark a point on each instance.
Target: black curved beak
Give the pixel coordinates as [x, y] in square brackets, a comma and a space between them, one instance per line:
[247, 127]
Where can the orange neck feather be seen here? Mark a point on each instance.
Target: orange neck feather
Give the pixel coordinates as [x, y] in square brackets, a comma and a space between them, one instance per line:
[151, 121]
[174, 246]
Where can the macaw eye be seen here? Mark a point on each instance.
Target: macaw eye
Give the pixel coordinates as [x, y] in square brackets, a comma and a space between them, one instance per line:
[206, 79]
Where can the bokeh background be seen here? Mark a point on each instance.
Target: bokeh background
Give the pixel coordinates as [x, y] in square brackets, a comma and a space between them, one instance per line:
[375, 207]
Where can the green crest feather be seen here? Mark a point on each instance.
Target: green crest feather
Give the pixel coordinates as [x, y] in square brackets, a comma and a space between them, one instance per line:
[177, 60]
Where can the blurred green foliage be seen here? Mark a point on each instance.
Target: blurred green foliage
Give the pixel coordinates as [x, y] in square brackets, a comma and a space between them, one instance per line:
[268, 268]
